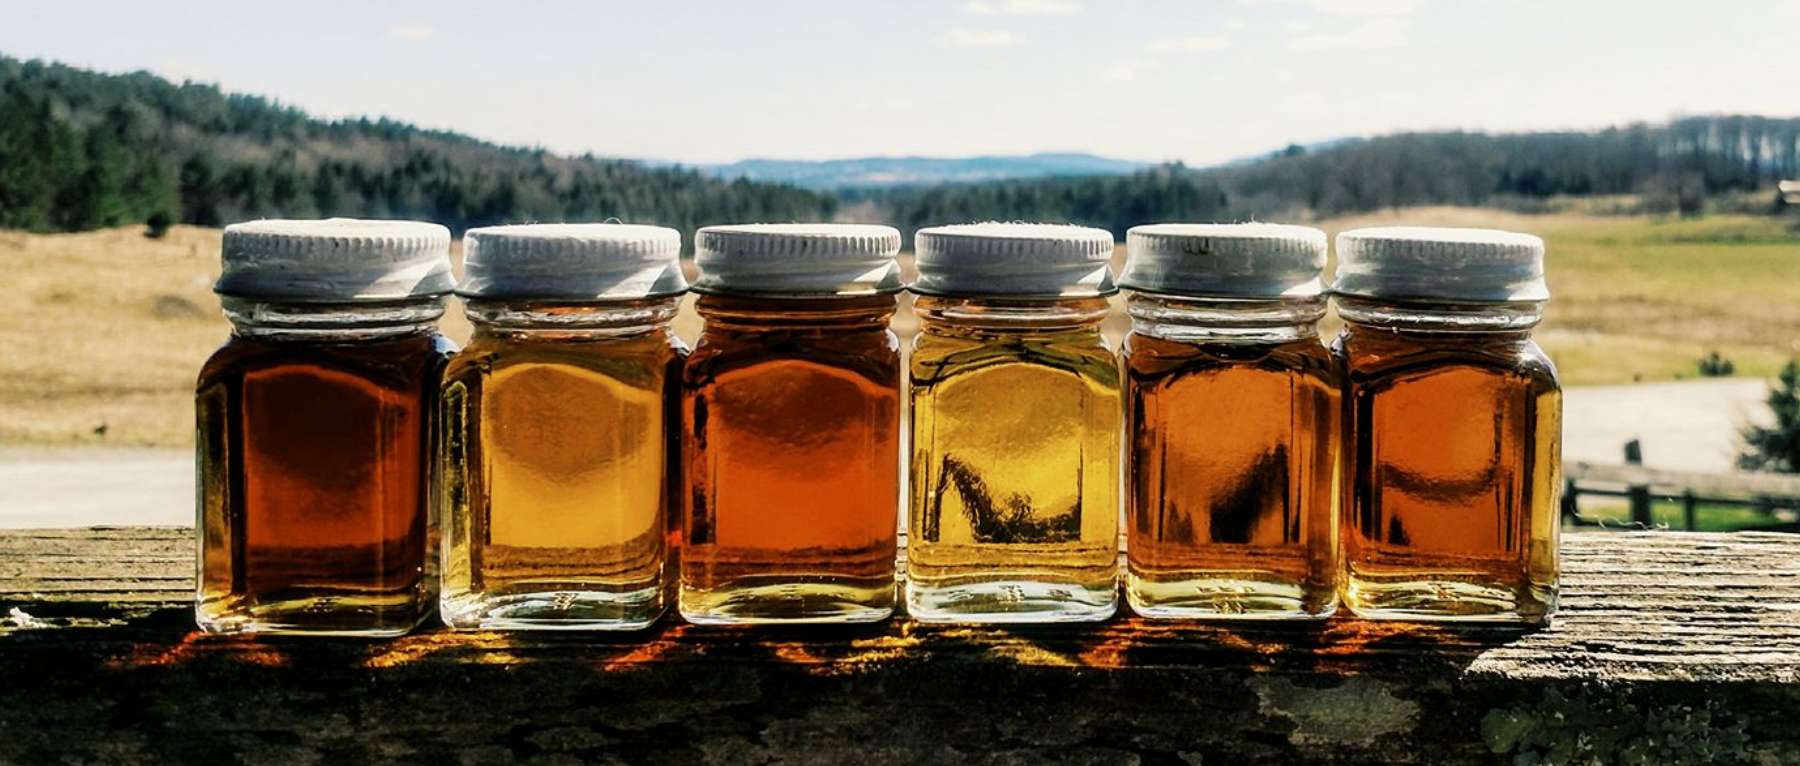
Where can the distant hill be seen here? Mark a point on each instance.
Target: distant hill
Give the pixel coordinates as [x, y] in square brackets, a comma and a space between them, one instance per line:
[84, 150]
[1671, 167]
[875, 172]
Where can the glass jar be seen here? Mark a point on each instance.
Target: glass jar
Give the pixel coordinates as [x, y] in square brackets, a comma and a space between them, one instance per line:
[791, 406]
[1455, 423]
[314, 456]
[1233, 424]
[1015, 427]
[560, 432]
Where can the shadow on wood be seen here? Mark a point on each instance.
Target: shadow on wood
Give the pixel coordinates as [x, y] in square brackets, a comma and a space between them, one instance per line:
[1687, 644]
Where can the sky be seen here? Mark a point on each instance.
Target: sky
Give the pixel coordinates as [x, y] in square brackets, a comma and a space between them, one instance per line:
[1200, 82]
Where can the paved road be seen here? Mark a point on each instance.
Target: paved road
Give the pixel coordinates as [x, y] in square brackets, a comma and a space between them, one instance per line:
[79, 486]
[1687, 425]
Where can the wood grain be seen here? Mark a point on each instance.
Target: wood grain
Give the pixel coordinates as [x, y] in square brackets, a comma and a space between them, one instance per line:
[1684, 643]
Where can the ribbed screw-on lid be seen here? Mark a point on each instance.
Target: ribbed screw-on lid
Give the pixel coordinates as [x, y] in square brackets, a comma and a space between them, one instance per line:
[572, 261]
[797, 259]
[333, 260]
[1476, 265]
[1225, 260]
[1014, 259]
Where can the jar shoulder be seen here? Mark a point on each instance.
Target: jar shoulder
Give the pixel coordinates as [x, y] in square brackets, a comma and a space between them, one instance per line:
[420, 354]
[1368, 354]
[637, 360]
[875, 355]
[1087, 355]
[1148, 356]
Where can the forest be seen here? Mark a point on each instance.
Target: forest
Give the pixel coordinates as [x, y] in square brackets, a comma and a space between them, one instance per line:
[83, 150]
[1672, 167]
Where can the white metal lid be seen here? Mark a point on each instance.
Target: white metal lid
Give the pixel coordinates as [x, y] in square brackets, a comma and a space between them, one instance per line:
[1476, 265]
[572, 261]
[1225, 260]
[1014, 259]
[333, 260]
[797, 259]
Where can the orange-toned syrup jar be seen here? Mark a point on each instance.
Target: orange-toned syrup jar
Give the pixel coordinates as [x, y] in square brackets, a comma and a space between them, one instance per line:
[315, 460]
[1455, 427]
[561, 429]
[1233, 424]
[791, 408]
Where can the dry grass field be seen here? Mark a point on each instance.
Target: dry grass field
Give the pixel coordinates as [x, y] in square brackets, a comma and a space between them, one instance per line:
[102, 332]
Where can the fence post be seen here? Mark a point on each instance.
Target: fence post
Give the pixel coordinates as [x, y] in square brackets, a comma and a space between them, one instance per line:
[1638, 494]
[1571, 506]
[1688, 510]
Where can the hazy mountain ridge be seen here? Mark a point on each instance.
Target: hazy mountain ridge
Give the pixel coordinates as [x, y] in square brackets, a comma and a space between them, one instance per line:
[873, 172]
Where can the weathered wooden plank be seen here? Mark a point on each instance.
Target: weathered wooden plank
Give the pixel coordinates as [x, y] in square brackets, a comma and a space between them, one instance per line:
[1684, 646]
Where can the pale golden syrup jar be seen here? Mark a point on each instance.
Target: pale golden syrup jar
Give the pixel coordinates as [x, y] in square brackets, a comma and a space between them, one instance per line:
[1233, 424]
[1455, 427]
[314, 440]
[791, 410]
[1014, 511]
[560, 446]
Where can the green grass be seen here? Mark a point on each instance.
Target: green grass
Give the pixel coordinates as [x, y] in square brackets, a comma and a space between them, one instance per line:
[1644, 298]
[1708, 517]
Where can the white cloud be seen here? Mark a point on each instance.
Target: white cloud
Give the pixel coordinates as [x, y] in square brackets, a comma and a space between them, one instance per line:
[411, 33]
[1197, 44]
[1123, 71]
[960, 37]
[1368, 7]
[1373, 34]
[1023, 7]
[1308, 103]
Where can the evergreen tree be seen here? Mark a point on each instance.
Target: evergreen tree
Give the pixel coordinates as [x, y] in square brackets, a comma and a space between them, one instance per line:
[29, 138]
[200, 192]
[97, 197]
[1777, 447]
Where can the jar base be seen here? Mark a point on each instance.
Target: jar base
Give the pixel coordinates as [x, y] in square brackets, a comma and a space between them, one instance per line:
[1012, 601]
[1228, 596]
[571, 609]
[320, 615]
[1449, 599]
[775, 601]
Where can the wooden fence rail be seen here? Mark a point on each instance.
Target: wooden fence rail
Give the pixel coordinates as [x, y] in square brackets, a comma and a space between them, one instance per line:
[1671, 647]
[1639, 485]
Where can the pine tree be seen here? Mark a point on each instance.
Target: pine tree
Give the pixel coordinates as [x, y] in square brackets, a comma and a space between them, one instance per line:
[28, 139]
[1777, 447]
[199, 185]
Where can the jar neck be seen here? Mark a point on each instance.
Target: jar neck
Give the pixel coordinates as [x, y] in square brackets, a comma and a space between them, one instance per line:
[945, 315]
[733, 313]
[1439, 319]
[333, 322]
[553, 320]
[1180, 318]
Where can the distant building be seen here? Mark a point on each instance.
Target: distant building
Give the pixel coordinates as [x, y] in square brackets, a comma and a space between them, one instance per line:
[1787, 195]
